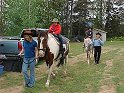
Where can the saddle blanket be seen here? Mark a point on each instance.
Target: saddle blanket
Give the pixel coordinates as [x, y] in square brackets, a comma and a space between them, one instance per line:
[64, 39]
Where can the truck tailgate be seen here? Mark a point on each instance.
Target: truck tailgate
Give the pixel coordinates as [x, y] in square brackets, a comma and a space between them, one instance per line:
[8, 46]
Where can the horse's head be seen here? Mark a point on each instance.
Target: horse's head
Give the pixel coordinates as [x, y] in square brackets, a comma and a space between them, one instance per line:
[42, 42]
[87, 43]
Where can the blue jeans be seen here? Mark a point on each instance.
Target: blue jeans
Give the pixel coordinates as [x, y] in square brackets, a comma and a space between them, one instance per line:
[29, 79]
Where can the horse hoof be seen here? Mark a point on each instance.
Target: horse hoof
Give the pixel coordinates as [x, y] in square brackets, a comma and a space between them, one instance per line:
[53, 74]
[47, 85]
[65, 73]
[88, 63]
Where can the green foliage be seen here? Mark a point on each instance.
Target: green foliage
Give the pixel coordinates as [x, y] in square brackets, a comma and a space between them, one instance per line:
[22, 14]
[17, 16]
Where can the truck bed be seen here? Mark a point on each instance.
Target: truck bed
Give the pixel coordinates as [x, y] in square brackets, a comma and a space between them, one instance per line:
[8, 46]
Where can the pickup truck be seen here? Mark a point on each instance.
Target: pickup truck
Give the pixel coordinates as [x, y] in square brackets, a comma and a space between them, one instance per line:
[10, 48]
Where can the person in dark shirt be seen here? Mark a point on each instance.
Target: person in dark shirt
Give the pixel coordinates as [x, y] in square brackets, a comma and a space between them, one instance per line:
[30, 54]
[89, 33]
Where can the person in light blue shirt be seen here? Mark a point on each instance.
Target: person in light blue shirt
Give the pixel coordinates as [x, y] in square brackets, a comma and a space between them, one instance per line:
[97, 43]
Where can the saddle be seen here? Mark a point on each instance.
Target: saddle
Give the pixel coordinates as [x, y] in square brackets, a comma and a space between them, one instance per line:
[64, 39]
[62, 43]
[63, 49]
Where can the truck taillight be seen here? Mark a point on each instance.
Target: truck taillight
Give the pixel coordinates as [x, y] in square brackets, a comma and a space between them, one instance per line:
[19, 46]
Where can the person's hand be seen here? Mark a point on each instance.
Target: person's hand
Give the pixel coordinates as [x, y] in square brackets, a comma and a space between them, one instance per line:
[36, 57]
[20, 54]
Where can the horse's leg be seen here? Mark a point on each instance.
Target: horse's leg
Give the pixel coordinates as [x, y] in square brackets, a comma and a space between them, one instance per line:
[53, 71]
[49, 74]
[56, 68]
[66, 61]
[53, 74]
[90, 53]
[88, 57]
[92, 49]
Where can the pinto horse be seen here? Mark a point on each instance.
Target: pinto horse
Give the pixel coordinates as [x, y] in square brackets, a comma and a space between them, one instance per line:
[88, 48]
[49, 48]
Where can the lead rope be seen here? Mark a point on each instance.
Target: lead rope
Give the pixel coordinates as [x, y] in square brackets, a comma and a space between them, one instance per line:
[29, 62]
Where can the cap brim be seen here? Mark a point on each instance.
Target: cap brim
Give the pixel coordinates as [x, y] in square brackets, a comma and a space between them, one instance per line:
[26, 34]
[99, 34]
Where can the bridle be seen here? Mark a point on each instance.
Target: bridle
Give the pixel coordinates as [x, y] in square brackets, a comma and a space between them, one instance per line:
[39, 41]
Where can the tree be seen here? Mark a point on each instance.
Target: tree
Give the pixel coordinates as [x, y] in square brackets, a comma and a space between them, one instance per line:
[22, 14]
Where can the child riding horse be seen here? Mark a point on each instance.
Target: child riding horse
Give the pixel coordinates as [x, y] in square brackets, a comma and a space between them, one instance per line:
[88, 48]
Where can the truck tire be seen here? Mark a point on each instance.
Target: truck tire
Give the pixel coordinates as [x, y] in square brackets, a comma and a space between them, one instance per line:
[17, 65]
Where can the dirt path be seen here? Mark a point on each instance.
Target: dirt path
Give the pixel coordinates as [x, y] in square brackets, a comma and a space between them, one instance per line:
[82, 57]
[18, 89]
[107, 85]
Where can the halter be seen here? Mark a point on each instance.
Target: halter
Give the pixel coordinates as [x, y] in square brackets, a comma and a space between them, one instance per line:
[43, 49]
[39, 41]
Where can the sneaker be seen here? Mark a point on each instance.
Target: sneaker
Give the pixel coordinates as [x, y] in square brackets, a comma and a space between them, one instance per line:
[96, 63]
[26, 85]
[30, 85]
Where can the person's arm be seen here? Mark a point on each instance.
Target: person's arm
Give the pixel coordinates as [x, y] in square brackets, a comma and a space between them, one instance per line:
[21, 52]
[101, 42]
[58, 30]
[51, 30]
[36, 52]
[93, 42]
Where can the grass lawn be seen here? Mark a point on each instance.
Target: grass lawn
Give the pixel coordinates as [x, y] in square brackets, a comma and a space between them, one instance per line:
[76, 49]
[81, 77]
